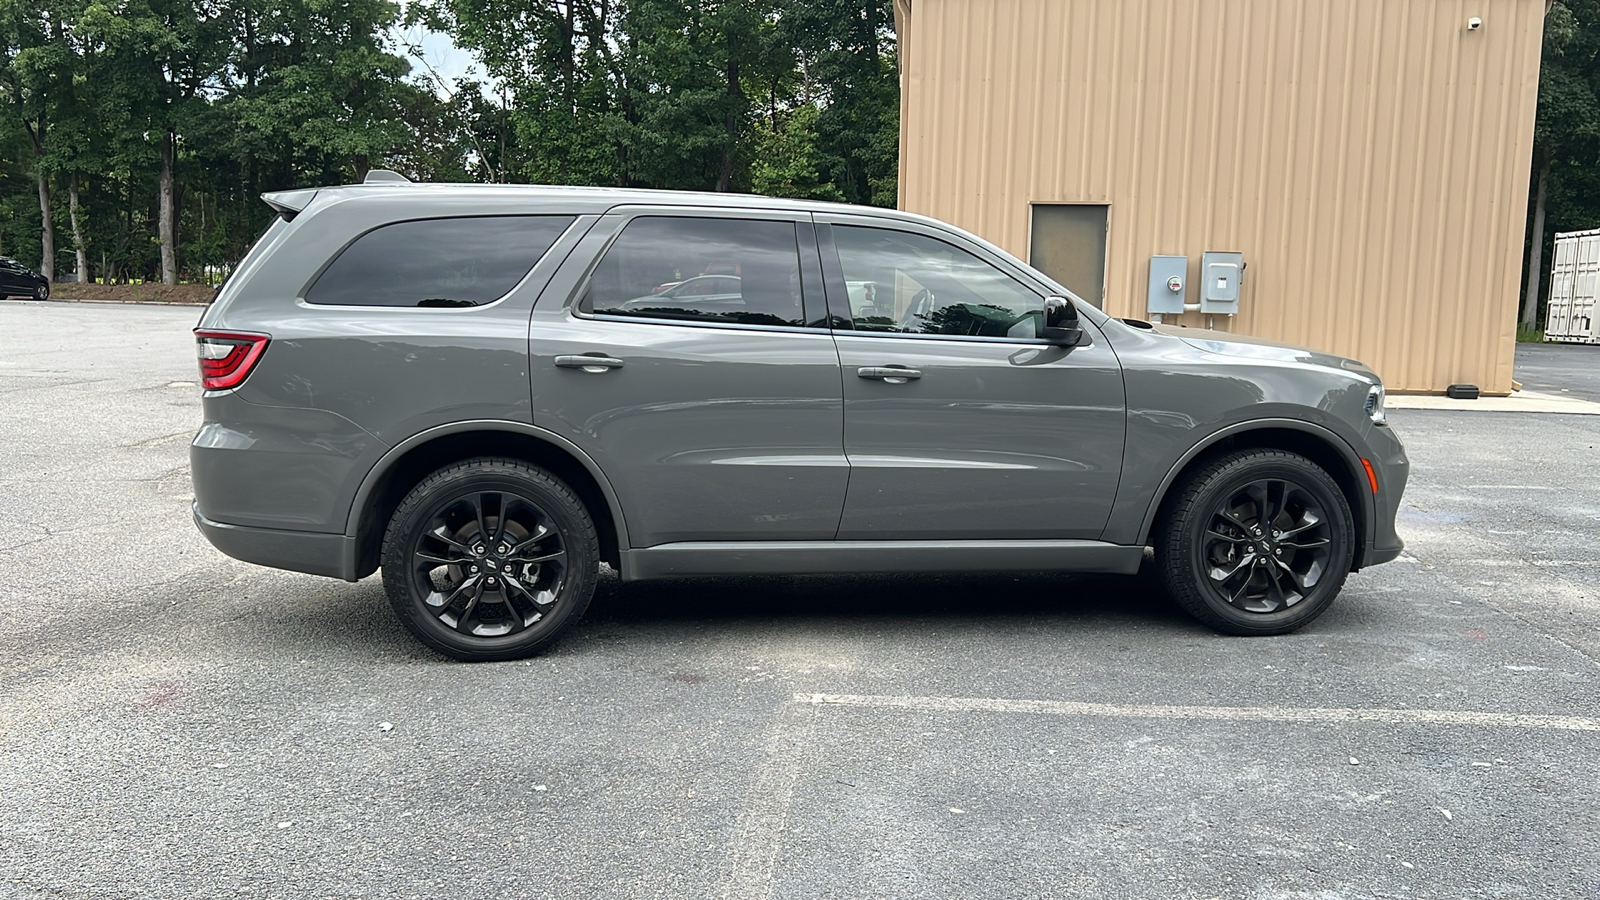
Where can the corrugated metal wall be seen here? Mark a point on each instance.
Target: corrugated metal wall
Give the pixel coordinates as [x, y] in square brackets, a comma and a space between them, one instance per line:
[1369, 157]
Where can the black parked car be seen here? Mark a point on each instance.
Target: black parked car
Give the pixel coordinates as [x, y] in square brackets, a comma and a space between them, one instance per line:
[17, 280]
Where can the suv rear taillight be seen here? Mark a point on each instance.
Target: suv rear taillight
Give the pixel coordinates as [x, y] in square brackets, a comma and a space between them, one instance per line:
[226, 357]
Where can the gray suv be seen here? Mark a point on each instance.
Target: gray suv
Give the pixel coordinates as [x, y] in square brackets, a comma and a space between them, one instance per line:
[486, 391]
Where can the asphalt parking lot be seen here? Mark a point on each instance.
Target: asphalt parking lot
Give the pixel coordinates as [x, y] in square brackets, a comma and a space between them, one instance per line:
[177, 724]
[1560, 369]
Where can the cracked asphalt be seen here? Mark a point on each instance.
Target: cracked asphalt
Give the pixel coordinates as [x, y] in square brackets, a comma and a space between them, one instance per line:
[177, 724]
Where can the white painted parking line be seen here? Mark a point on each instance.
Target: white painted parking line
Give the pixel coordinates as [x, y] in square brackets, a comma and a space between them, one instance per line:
[1335, 716]
[754, 853]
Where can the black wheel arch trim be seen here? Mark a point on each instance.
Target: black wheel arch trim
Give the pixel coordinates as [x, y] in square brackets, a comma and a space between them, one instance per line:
[374, 476]
[1352, 460]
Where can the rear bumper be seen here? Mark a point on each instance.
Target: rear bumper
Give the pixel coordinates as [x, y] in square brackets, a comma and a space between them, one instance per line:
[314, 553]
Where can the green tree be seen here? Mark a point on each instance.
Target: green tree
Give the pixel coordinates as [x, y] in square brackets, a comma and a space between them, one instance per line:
[166, 59]
[563, 79]
[767, 95]
[314, 84]
[847, 49]
[1566, 138]
[37, 72]
[153, 126]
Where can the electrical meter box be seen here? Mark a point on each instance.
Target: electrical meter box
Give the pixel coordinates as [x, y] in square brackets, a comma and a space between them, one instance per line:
[1219, 282]
[1169, 276]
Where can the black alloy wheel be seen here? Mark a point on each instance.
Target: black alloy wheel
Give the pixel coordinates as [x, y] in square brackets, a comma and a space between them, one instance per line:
[490, 559]
[1259, 542]
[1267, 547]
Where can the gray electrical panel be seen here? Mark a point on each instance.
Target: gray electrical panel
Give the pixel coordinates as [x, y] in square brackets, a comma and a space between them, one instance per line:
[1219, 282]
[1169, 276]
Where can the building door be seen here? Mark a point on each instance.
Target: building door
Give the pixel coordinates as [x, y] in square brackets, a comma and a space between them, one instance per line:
[1069, 244]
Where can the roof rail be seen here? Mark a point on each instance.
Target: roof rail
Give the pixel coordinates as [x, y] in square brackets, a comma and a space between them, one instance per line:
[384, 176]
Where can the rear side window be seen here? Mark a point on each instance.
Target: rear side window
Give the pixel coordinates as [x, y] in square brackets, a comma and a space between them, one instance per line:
[735, 271]
[437, 262]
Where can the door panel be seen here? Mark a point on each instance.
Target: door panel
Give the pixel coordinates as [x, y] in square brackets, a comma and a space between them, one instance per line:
[708, 430]
[994, 440]
[705, 433]
[959, 422]
[11, 281]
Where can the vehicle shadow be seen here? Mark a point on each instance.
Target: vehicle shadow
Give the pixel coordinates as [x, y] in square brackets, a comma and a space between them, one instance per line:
[1070, 598]
[355, 619]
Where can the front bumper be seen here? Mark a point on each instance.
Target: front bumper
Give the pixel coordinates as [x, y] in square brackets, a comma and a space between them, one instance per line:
[1389, 463]
[314, 553]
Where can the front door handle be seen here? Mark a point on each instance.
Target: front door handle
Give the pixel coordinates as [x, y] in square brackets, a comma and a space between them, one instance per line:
[890, 374]
[587, 363]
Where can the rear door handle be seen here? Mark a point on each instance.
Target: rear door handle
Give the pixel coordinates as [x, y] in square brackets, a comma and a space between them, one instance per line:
[890, 374]
[588, 363]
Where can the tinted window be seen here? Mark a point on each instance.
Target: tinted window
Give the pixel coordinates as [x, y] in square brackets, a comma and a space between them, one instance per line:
[911, 284]
[438, 262]
[706, 270]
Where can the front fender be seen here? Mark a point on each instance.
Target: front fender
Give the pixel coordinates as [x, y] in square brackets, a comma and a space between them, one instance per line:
[1183, 399]
[1351, 458]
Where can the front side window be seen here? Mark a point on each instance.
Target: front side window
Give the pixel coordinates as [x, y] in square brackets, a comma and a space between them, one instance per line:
[907, 283]
[733, 271]
[466, 261]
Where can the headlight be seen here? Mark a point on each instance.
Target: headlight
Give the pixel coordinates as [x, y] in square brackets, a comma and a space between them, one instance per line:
[1375, 405]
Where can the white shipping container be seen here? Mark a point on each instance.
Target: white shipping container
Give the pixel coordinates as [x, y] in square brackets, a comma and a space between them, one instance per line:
[1574, 276]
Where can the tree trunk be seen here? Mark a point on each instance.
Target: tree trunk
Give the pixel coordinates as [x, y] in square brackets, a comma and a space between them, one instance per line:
[168, 215]
[1530, 302]
[77, 232]
[47, 234]
[871, 35]
[730, 119]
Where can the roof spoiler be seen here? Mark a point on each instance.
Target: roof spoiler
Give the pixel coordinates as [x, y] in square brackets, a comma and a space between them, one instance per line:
[289, 203]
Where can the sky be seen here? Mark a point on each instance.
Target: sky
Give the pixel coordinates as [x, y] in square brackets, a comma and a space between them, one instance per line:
[438, 53]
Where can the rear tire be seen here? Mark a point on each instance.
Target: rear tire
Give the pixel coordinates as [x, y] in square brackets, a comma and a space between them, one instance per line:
[490, 559]
[1258, 542]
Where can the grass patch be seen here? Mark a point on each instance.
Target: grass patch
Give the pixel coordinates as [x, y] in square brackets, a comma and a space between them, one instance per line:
[1530, 335]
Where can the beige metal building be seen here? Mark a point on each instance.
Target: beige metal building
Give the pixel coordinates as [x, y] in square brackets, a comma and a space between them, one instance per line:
[1368, 158]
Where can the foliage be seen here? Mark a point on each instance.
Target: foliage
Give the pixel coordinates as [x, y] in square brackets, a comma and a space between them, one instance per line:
[1567, 129]
[787, 97]
[226, 99]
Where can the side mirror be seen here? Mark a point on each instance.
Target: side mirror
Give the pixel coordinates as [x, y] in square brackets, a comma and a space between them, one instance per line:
[1061, 326]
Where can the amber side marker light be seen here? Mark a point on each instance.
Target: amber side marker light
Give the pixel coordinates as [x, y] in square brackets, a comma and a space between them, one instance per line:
[226, 357]
[1372, 477]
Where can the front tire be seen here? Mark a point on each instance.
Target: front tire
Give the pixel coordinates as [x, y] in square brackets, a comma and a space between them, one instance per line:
[42, 292]
[1258, 542]
[490, 559]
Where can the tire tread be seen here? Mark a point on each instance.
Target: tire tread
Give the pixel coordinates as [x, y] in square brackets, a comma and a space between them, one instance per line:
[394, 551]
[1172, 558]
